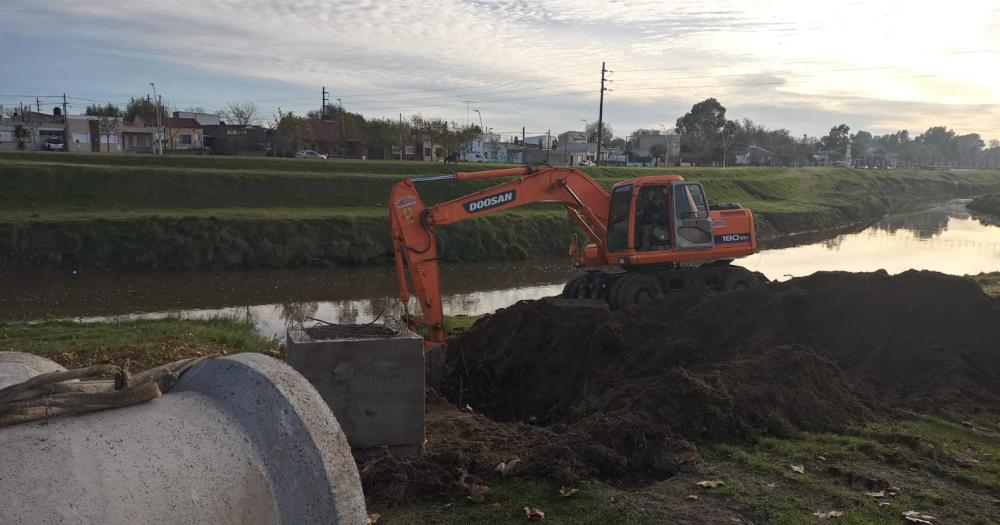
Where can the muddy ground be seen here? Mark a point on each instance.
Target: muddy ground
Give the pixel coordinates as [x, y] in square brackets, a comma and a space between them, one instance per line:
[633, 397]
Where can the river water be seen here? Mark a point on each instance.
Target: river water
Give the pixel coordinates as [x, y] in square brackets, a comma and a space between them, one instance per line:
[945, 238]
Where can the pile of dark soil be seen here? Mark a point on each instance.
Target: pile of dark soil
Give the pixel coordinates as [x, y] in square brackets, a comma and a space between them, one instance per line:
[578, 393]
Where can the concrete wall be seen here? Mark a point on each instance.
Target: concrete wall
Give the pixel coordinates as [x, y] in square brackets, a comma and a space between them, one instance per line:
[240, 439]
[375, 386]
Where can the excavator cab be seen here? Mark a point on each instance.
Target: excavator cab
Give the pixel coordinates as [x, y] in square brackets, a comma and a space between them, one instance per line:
[658, 214]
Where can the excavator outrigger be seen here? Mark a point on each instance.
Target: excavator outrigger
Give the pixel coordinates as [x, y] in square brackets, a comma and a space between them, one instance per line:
[658, 231]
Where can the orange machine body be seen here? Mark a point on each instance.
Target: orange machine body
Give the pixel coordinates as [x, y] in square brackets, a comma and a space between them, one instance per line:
[615, 223]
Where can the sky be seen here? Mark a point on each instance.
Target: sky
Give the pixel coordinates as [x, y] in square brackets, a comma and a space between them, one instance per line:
[795, 64]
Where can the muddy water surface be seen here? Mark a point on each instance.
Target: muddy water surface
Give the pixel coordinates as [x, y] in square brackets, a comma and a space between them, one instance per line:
[946, 238]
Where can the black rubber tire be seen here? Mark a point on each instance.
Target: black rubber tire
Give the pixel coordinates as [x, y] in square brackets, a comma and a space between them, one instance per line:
[634, 288]
[572, 287]
[738, 278]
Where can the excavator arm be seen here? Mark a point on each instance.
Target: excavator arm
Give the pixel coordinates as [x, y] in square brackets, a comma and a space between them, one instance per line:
[412, 224]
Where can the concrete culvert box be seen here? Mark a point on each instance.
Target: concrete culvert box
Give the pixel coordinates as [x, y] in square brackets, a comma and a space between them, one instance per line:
[242, 439]
[372, 376]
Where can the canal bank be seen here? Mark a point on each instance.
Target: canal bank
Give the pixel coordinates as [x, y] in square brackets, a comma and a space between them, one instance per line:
[944, 238]
[67, 213]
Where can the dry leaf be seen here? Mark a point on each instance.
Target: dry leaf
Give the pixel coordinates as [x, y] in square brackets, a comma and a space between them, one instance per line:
[879, 494]
[895, 428]
[966, 462]
[916, 517]
[884, 504]
[534, 514]
[828, 514]
[821, 459]
[468, 408]
[477, 493]
[797, 468]
[771, 486]
[373, 518]
[710, 484]
[497, 506]
[504, 468]
[692, 497]
[567, 492]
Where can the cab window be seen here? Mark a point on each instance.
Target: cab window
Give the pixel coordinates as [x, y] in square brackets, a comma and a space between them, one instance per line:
[618, 219]
[652, 218]
[690, 203]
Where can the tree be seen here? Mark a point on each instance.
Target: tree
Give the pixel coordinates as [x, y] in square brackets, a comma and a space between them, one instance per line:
[838, 140]
[145, 109]
[109, 110]
[861, 143]
[291, 133]
[107, 125]
[658, 151]
[700, 129]
[240, 115]
[607, 133]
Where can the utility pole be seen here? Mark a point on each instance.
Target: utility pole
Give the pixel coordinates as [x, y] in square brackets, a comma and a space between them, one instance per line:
[66, 135]
[323, 114]
[343, 139]
[38, 106]
[159, 130]
[400, 136]
[524, 148]
[548, 144]
[600, 116]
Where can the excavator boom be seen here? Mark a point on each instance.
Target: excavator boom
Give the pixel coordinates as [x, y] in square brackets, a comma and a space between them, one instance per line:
[412, 224]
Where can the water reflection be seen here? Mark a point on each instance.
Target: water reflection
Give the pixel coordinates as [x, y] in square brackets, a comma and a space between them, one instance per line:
[947, 238]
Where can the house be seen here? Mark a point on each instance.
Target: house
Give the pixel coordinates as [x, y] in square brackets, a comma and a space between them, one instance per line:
[31, 130]
[137, 137]
[485, 147]
[641, 146]
[572, 137]
[183, 134]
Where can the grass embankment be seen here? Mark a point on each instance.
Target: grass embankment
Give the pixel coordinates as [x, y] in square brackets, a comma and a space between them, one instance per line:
[989, 203]
[77, 211]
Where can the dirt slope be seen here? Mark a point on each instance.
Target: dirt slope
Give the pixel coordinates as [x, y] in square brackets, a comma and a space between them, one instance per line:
[579, 393]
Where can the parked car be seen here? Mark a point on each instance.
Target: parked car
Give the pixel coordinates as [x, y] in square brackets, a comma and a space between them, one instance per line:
[53, 144]
[309, 154]
[587, 162]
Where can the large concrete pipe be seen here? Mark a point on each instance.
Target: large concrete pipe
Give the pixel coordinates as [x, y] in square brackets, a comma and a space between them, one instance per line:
[239, 439]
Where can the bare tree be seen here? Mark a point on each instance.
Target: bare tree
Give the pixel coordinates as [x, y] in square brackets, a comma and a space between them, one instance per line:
[240, 115]
[107, 125]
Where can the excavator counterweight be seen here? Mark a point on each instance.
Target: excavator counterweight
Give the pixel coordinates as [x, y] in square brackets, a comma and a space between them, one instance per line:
[647, 236]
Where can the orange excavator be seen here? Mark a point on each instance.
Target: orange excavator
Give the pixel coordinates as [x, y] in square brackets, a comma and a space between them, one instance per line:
[648, 236]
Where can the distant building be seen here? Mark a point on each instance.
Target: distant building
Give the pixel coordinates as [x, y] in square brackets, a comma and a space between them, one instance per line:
[203, 119]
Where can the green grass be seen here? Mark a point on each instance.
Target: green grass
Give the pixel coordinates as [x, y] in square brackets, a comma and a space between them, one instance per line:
[145, 343]
[918, 455]
[143, 212]
[505, 504]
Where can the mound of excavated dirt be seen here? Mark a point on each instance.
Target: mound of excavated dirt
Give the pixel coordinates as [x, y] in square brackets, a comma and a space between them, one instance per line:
[577, 393]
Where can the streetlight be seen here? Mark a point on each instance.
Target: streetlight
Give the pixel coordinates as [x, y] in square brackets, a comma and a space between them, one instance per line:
[159, 127]
[481, 128]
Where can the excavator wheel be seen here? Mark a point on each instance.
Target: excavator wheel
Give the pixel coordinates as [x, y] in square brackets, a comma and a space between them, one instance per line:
[572, 287]
[738, 278]
[634, 288]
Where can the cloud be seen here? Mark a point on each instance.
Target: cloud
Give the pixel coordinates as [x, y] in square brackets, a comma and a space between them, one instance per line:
[536, 62]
